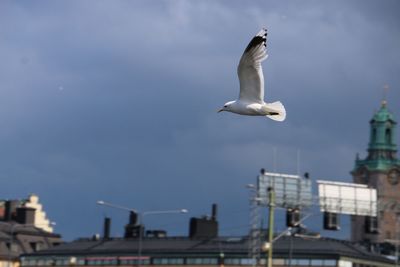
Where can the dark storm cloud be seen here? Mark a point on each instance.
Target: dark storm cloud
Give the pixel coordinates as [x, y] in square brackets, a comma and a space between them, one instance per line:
[117, 100]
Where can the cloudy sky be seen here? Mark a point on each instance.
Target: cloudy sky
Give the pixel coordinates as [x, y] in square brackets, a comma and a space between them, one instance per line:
[117, 100]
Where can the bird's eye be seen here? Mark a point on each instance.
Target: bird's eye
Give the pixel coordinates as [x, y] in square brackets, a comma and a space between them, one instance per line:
[225, 106]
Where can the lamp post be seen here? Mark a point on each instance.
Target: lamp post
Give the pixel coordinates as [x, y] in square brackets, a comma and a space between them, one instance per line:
[11, 240]
[271, 239]
[271, 205]
[141, 215]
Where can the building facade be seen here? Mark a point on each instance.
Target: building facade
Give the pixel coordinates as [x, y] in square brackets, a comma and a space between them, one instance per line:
[220, 251]
[8, 211]
[380, 170]
[202, 247]
[24, 228]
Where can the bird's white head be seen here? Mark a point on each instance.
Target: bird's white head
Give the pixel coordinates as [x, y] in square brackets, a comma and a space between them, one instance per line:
[227, 106]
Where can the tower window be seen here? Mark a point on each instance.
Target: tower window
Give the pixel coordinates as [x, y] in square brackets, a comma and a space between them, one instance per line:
[374, 135]
[388, 136]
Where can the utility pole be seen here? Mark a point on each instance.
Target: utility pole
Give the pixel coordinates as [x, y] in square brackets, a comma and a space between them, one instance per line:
[271, 205]
[254, 234]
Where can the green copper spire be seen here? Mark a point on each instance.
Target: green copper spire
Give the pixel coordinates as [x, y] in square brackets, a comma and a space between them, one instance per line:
[382, 130]
[382, 147]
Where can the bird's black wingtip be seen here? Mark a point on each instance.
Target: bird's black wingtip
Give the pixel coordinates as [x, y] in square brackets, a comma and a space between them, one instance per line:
[261, 37]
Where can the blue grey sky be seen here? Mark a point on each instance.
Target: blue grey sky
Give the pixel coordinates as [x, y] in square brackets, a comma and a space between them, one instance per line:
[117, 100]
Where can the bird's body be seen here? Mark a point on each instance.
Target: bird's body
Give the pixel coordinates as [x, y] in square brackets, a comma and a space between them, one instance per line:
[253, 109]
[251, 78]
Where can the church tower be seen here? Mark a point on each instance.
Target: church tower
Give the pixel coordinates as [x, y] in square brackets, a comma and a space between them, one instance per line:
[380, 170]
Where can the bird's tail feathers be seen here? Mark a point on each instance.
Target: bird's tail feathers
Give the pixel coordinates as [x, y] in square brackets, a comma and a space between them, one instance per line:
[278, 112]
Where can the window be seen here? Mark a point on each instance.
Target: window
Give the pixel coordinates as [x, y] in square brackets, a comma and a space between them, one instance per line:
[316, 262]
[329, 263]
[278, 262]
[23, 261]
[232, 261]
[62, 261]
[36, 261]
[211, 261]
[202, 261]
[387, 136]
[246, 261]
[28, 262]
[13, 247]
[304, 262]
[168, 261]
[36, 246]
[344, 263]
[80, 261]
[145, 262]
[291, 262]
[309, 262]
[134, 261]
[175, 261]
[373, 135]
[109, 262]
[32, 262]
[239, 261]
[101, 261]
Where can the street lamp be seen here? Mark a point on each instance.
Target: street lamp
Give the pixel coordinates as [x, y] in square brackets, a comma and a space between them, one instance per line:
[141, 216]
[289, 229]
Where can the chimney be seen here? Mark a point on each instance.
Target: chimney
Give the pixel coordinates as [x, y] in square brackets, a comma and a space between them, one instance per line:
[133, 229]
[133, 218]
[107, 227]
[214, 212]
[25, 215]
[204, 228]
[10, 210]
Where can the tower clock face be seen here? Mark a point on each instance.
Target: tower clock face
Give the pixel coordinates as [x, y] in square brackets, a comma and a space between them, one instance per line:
[394, 176]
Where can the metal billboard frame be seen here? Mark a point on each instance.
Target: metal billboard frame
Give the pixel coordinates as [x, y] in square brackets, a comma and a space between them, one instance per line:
[291, 191]
[347, 198]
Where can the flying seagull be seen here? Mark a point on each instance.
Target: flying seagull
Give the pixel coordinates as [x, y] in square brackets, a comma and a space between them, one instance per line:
[251, 78]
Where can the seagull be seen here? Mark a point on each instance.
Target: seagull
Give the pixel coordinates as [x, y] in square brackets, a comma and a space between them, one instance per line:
[251, 78]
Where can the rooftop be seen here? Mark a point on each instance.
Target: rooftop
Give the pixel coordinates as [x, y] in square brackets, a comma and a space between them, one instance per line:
[299, 247]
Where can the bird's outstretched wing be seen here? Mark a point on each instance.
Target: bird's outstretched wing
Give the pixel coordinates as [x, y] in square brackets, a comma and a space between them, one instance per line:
[250, 72]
